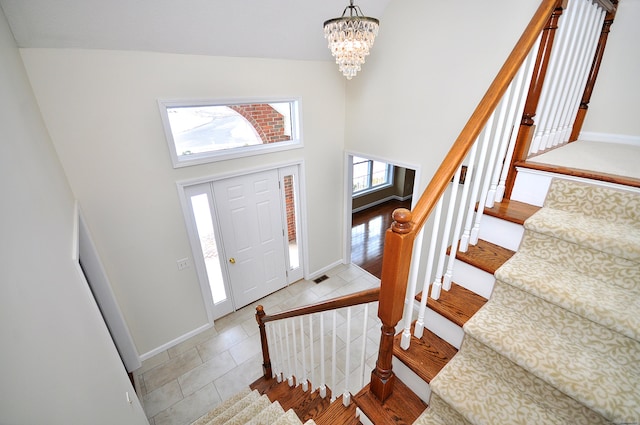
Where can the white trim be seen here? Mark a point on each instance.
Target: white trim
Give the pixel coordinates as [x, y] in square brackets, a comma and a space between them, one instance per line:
[175, 342]
[623, 139]
[381, 201]
[296, 141]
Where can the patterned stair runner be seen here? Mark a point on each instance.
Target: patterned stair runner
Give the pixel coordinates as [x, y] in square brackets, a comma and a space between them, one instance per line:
[558, 342]
[249, 407]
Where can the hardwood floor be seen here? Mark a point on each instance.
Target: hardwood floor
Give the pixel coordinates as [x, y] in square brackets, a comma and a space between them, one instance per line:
[367, 235]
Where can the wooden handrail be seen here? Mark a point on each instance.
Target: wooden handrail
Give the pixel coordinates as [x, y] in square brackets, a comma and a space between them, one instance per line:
[350, 300]
[362, 297]
[400, 237]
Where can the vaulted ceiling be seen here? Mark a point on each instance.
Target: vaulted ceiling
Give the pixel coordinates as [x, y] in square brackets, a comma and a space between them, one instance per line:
[283, 29]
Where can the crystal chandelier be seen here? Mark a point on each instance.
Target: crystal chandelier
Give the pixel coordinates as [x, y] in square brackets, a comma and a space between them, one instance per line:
[350, 39]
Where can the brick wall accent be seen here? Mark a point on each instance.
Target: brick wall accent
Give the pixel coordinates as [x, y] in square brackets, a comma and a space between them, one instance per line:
[268, 122]
[290, 205]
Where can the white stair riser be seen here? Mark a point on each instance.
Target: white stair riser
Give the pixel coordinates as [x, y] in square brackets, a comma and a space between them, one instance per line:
[411, 380]
[443, 327]
[531, 186]
[473, 279]
[501, 232]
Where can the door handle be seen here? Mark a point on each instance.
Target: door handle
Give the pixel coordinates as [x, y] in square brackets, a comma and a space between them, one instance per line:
[232, 260]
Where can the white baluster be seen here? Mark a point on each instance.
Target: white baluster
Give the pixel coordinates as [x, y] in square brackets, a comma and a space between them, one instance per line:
[323, 381]
[485, 182]
[363, 355]
[493, 169]
[311, 355]
[524, 81]
[281, 353]
[295, 372]
[333, 358]
[289, 369]
[305, 380]
[346, 395]
[436, 286]
[484, 139]
[405, 340]
[272, 349]
[419, 327]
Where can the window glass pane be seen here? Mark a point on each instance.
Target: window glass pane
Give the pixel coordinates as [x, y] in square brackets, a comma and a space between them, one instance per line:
[292, 229]
[199, 132]
[204, 226]
[379, 174]
[361, 176]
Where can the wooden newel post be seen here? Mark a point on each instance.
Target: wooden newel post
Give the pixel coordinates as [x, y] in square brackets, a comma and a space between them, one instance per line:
[266, 360]
[398, 245]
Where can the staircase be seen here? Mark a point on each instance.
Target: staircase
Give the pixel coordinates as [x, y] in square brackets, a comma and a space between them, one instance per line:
[533, 318]
[550, 346]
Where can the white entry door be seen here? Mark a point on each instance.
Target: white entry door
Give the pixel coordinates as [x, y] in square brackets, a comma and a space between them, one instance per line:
[251, 225]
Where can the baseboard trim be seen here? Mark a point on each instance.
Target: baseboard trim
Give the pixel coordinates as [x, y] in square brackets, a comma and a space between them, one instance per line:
[624, 139]
[175, 342]
[323, 270]
[381, 201]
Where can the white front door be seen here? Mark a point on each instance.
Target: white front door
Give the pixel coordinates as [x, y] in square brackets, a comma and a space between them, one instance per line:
[251, 225]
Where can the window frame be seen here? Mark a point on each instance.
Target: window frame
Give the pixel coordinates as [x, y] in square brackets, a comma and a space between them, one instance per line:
[233, 153]
[370, 188]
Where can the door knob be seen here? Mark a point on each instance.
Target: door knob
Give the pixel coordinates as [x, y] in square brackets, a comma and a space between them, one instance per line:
[232, 260]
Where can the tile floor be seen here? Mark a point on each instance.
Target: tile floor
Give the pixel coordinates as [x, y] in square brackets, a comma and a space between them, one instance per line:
[184, 382]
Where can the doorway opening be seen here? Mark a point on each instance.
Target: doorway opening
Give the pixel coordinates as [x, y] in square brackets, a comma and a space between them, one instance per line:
[375, 189]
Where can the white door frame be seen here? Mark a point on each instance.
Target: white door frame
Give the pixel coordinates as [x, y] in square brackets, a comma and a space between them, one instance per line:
[181, 185]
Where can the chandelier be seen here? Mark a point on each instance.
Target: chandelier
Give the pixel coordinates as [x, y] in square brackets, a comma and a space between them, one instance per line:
[350, 39]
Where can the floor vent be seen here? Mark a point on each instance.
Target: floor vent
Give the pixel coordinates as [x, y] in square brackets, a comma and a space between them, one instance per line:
[321, 278]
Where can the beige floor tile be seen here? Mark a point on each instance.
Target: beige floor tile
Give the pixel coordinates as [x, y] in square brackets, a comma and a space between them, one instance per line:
[154, 361]
[190, 408]
[222, 342]
[171, 369]
[207, 372]
[246, 349]
[239, 377]
[162, 398]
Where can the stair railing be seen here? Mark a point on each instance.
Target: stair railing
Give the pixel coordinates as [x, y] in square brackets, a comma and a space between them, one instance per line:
[560, 104]
[483, 146]
[291, 337]
[485, 149]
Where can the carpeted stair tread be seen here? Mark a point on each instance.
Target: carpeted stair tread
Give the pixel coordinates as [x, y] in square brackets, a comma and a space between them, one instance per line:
[593, 263]
[229, 408]
[486, 388]
[602, 302]
[595, 201]
[206, 418]
[268, 415]
[246, 414]
[615, 238]
[596, 366]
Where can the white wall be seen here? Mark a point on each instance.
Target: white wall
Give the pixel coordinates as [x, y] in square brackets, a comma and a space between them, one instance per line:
[101, 111]
[614, 107]
[429, 68]
[57, 362]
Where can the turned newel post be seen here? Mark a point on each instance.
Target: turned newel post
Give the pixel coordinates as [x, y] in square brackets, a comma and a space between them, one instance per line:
[593, 74]
[398, 244]
[266, 360]
[526, 130]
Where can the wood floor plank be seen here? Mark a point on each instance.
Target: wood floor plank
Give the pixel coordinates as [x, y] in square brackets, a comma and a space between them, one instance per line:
[336, 414]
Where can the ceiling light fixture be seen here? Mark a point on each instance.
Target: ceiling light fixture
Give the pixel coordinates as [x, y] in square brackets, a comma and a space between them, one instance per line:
[350, 38]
